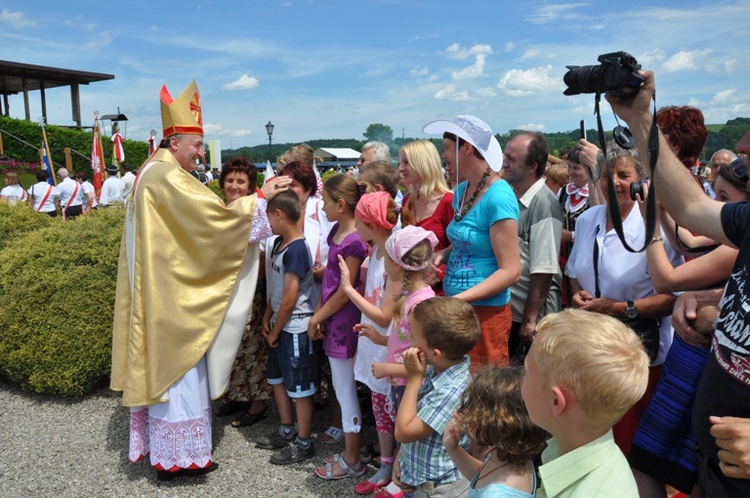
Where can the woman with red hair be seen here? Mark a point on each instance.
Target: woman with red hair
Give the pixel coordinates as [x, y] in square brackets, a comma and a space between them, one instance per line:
[684, 129]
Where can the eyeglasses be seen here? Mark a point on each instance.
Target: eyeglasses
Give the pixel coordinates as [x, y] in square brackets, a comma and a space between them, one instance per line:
[739, 168]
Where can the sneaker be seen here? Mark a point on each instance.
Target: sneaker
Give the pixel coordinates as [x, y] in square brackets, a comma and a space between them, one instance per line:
[293, 452]
[274, 441]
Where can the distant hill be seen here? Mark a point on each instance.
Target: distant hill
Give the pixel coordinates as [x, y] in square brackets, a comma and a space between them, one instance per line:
[720, 136]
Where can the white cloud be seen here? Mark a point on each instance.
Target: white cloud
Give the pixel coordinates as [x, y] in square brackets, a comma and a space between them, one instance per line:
[532, 127]
[522, 82]
[509, 47]
[451, 93]
[16, 19]
[485, 93]
[685, 60]
[244, 83]
[419, 71]
[457, 52]
[102, 39]
[217, 130]
[552, 13]
[723, 104]
[531, 53]
[651, 58]
[730, 66]
[470, 72]
[725, 96]
[77, 24]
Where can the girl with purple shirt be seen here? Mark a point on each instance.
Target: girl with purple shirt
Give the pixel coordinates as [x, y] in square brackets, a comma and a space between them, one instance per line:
[336, 316]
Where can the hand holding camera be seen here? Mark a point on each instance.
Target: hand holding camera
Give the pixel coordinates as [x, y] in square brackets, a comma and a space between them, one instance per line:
[636, 111]
[619, 77]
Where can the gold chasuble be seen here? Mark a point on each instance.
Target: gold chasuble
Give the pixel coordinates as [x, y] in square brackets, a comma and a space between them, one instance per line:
[180, 256]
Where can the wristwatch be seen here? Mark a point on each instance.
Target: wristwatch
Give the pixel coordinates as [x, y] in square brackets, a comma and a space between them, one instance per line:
[631, 311]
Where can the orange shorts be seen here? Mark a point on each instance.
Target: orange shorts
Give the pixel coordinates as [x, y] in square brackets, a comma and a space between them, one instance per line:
[492, 348]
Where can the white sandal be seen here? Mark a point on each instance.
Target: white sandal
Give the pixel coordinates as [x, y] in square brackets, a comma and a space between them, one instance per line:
[357, 470]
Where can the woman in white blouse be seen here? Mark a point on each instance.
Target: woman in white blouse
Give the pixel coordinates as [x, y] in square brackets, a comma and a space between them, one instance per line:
[600, 262]
[13, 192]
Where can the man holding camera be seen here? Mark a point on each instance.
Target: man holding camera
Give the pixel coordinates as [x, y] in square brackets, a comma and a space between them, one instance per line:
[721, 413]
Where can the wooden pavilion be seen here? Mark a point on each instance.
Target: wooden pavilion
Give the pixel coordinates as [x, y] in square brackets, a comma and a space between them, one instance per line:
[16, 77]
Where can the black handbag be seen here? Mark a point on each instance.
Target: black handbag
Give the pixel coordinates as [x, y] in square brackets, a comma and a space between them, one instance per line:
[647, 328]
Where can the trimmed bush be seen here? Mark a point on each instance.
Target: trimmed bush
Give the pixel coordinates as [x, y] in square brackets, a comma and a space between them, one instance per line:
[17, 220]
[328, 174]
[57, 287]
[58, 137]
[215, 188]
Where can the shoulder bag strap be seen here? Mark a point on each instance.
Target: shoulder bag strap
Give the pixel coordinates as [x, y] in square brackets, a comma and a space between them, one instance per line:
[598, 292]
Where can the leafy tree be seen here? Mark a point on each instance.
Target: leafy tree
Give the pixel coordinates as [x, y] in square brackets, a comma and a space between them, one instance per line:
[379, 132]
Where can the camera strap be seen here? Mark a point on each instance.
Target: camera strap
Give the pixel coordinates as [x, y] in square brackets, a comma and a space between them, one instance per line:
[612, 205]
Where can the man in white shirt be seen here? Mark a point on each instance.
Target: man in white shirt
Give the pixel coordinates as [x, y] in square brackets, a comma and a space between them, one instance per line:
[44, 197]
[87, 192]
[71, 198]
[128, 178]
[113, 189]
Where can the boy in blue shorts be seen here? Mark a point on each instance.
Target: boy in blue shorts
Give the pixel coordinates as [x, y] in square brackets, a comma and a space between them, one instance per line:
[444, 330]
[292, 363]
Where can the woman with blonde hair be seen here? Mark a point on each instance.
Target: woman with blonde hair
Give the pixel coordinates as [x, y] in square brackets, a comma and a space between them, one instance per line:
[428, 202]
[13, 191]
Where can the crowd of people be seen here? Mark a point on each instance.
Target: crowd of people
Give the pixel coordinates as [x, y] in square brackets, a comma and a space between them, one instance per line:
[71, 196]
[485, 301]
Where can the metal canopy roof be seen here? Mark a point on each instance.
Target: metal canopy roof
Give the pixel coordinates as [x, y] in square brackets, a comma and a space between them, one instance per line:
[16, 77]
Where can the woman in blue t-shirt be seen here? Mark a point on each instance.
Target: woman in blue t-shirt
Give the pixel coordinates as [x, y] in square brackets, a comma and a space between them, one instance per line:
[483, 260]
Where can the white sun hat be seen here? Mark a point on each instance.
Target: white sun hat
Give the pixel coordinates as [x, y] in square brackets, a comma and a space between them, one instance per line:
[473, 130]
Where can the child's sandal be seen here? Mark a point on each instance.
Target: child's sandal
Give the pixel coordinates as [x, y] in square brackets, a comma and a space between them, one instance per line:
[326, 472]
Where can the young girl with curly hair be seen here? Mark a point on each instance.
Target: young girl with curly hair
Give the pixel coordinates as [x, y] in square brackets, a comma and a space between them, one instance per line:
[493, 414]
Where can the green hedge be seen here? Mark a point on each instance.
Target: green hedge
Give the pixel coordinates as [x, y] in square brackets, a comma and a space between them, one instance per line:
[18, 220]
[57, 286]
[58, 137]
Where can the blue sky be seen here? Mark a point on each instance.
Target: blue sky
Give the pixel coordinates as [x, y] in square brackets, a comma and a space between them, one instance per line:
[328, 68]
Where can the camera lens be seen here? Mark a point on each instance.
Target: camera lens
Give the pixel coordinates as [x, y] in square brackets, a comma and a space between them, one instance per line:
[636, 188]
[582, 79]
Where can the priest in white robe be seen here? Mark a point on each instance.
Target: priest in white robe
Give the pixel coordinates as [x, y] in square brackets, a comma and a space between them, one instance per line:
[178, 320]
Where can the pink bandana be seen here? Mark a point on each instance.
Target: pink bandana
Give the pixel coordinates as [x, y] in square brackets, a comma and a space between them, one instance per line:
[404, 241]
[372, 209]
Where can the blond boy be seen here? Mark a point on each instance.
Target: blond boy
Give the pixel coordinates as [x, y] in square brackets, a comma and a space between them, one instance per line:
[583, 372]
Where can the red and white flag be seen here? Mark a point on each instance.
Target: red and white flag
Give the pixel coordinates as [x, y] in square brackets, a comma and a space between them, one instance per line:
[119, 152]
[152, 145]
[97, 159]
[318, 180]
[268, 173]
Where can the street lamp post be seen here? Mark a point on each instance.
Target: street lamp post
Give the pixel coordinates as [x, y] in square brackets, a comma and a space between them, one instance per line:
[269, 130]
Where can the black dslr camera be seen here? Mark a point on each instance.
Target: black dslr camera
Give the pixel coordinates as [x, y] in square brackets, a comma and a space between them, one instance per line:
[637, 189]
[617, 75]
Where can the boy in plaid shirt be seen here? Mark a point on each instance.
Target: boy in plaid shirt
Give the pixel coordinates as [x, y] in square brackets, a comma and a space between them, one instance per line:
[444, 330]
